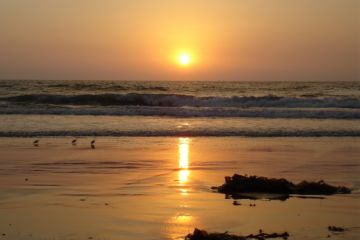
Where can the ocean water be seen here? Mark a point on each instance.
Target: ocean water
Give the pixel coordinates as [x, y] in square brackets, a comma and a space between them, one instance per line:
[130, 108]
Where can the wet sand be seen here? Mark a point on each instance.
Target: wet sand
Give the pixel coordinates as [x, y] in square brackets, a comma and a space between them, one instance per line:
[160, 188]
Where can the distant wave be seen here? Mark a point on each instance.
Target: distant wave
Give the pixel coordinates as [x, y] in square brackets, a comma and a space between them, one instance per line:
[324, 113]
[176, 100]
[193, 133]
[97, 86]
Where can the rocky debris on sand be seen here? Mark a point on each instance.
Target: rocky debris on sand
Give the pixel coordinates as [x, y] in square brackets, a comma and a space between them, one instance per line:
[336, 229]
[203, 235]
[254, 184]
[257, 196]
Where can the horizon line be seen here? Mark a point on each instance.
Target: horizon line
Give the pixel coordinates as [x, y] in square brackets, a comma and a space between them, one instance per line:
[152, 80]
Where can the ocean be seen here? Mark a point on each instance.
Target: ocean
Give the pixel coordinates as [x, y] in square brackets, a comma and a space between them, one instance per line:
[153, 108]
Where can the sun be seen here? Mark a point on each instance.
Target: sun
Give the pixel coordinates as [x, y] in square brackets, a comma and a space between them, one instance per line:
[184, 59]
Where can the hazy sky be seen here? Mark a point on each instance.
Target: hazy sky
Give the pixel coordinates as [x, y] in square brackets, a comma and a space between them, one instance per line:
[141, 39]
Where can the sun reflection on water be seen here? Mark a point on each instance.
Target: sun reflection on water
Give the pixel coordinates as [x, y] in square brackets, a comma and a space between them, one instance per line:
[182, 218]
[179, 225]
[183, 163]
[184, 153]
[183, 222]
[183, 176]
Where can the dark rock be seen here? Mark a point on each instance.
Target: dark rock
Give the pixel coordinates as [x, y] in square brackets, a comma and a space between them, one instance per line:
[199, 234]
[319, 188]
[239, 184]
[203, 235]
[257, 196]
[336, 229]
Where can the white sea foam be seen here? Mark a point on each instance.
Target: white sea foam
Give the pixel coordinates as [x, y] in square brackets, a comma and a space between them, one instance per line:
[177, 100]
[255, 112]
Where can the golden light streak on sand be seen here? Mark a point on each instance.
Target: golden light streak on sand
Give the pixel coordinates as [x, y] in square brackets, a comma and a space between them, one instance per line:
[183, 163]
[184, 153]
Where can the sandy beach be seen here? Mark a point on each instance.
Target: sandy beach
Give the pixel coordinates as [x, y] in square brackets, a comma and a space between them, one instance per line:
[160, 188]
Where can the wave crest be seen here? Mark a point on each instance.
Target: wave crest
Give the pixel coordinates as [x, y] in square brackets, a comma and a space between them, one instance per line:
[184, 112]
[177, 100]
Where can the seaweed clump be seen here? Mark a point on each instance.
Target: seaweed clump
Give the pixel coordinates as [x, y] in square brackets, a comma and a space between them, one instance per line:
[203, 235]
[336, 229]
[254, 184]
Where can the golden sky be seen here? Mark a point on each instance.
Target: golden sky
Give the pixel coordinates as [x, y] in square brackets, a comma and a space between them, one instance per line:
[248, 40]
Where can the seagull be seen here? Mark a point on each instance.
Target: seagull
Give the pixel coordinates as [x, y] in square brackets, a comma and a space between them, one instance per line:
[36, 142]
[73, 142]
[92, 144]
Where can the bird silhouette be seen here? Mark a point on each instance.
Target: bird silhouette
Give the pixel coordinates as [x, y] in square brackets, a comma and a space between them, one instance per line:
[73, 142]
[92, 144]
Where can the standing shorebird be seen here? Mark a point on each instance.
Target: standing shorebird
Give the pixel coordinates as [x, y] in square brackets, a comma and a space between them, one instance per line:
[73, 142]
[36, 142]
[92, 144]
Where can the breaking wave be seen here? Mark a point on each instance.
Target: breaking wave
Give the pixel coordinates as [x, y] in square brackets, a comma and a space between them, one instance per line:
[177, 100]
[184, 112]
